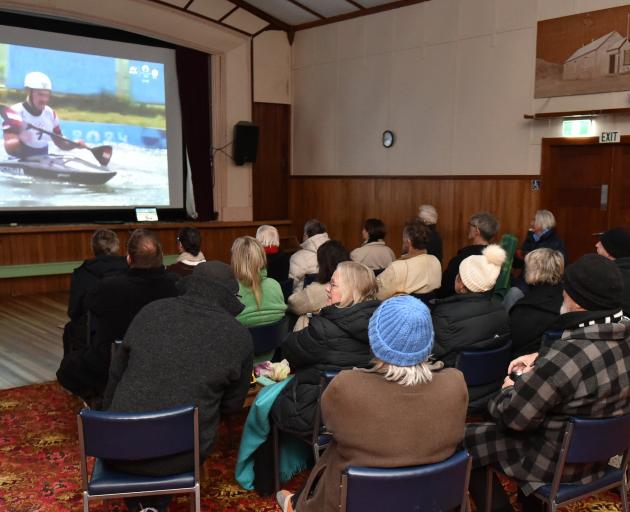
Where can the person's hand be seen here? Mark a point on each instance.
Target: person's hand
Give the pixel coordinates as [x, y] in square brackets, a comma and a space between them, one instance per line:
[523, 364]
[507, 382]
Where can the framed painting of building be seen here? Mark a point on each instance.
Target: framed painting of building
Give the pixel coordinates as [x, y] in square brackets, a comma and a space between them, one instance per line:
[583, 54]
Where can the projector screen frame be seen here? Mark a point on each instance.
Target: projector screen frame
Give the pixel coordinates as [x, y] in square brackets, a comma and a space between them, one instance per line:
[85, 215]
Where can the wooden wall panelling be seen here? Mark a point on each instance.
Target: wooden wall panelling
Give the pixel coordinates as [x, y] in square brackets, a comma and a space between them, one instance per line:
[344, 202]
[44, 244]
[270, 173]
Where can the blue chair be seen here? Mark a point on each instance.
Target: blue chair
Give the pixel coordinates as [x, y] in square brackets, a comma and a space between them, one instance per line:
[431, 487]
[130, 436]
[484, 372]
[267, 338]
[588, 441]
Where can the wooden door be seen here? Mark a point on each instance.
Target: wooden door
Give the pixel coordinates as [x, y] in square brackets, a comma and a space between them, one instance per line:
[619, 193]
[270, 180]
[576, 179]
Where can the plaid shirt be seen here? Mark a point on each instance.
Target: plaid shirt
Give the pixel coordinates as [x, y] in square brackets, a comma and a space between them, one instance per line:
[585, 373]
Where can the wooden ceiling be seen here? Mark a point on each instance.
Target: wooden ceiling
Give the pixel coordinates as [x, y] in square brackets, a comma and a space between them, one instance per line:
[251, 17]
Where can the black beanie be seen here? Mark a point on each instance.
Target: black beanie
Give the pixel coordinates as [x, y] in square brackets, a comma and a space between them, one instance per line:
[616, 241]
[595, 283]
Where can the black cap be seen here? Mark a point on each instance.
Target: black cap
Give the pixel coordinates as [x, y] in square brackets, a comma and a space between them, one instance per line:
[595, 283]
[218, 272]
[616, 241]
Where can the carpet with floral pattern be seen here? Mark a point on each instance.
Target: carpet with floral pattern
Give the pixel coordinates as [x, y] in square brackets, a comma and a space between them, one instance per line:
[39, 461]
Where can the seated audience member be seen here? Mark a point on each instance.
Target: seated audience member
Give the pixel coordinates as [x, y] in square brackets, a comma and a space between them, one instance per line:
[314, 297]
[429, 215]
[541, 234]
[277, 260]
[304, 261]
[190, 255]
[470, 320]
[614, 244]
[186, 350]
[482, 227]
[586, 373]
[397, 413]
[85, 279]
[337, 338]
[532, 315]
[112, 306]
[416, 272]
[261, 295]
[373, 253]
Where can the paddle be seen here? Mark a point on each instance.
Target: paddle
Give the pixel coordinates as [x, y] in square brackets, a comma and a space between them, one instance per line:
[102, 153]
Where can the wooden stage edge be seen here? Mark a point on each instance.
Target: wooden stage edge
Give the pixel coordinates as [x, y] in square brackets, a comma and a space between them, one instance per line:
[37, 250]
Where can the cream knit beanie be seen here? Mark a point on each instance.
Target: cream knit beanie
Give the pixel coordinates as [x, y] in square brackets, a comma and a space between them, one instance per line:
[480, 273]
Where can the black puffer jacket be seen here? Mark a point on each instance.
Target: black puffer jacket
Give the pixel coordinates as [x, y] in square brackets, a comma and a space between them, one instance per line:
[85, 279]
[531, 316]
[335, 339]
[624, 265]
[468, 321]
[549, 240]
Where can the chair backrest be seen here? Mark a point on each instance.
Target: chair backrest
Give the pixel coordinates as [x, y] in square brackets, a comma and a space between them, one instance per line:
[593, 440]
[309, 278]
[439, 486]
[485, 366]
[136, 436]
[509, 242]
[268, 337]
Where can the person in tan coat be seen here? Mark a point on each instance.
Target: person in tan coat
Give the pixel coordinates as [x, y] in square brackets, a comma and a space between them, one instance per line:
[304, 261]
[417, 272]
[373, 253]
[397, 413]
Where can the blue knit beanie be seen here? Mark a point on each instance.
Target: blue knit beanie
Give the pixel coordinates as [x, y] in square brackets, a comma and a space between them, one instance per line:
[401, 331]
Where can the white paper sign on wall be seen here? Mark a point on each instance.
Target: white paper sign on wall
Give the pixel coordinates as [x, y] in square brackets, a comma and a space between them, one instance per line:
[607, 137]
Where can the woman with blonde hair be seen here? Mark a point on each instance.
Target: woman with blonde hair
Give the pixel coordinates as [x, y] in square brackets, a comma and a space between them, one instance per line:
[429, 217]
[532, 315]
[337, 338]
[261, 295]
[400, 412]
[277, 259]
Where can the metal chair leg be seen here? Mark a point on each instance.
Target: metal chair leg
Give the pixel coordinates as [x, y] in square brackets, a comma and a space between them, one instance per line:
[86, 502]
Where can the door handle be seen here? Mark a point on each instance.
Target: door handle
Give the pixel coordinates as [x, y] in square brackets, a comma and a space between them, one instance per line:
[603, 198]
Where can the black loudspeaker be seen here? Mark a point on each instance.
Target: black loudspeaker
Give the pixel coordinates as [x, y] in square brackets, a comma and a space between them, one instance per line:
[245, 142]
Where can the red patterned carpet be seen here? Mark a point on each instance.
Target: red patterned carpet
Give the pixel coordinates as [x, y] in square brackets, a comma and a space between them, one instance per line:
[39, 461]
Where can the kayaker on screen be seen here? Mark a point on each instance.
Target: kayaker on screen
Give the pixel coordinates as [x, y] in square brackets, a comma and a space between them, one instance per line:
[22, 140]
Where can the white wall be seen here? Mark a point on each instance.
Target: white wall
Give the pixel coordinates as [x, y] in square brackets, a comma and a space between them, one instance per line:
[451, 78]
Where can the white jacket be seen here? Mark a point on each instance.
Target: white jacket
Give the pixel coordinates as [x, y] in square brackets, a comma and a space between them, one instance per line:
[375, 255]
[305, 260]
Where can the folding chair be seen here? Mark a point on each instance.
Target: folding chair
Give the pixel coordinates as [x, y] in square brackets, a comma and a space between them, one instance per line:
[130, 436]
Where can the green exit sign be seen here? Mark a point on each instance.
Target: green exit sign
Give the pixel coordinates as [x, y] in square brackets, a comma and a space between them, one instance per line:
[577, 127]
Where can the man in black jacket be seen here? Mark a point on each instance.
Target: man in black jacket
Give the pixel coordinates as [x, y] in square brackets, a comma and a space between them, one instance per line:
[614, 244]
[112, 307]
[106, 262]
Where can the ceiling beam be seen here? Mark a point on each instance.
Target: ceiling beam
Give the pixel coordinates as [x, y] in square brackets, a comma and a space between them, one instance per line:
[307, 9]
[201, 16]
[356, 4]
[356, 14]
[235, 8]
[274, 22]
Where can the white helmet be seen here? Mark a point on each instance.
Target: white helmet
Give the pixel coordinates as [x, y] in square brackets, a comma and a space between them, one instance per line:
[37, 80]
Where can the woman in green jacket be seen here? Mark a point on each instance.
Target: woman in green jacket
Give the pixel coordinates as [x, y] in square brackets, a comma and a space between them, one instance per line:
[261, 295]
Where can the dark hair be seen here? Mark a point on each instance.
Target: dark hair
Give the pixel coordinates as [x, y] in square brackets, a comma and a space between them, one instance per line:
[375, 229]
[190, 238]
[104, 241]
[313, 227]
[144, 249]
[329, 255]
[417, 232]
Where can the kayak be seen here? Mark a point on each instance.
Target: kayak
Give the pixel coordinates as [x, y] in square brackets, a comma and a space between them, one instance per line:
[58, 168]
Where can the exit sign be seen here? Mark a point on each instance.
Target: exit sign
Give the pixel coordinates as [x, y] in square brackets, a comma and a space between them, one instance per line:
[606, 137]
